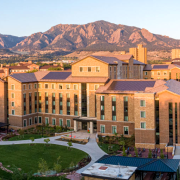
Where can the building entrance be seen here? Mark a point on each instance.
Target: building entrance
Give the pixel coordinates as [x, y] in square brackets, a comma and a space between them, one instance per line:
[84, 125]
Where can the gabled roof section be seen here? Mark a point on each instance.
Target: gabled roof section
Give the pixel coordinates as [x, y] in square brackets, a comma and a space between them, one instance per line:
[107, 59]
[56, 76]
[24, 77]
[150, 67]
[136, 62]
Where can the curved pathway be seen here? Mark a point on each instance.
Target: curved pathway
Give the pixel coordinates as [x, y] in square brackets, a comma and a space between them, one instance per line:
[90, 148]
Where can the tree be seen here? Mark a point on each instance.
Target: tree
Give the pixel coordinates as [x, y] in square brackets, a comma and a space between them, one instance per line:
[32, 139]
[124, 152]
[57, 166]
[122, 143]
[46, 140]
[69, 144]
[43, 167]
[136, 151]
[162, 154]
[150, 154]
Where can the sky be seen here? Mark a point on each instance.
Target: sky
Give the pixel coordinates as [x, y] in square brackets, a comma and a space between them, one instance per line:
[25, 17]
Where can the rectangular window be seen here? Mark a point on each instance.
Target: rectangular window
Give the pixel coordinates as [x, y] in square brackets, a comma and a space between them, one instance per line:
[143, 114]
[126, 130]
[170, 123]
[102, 108]
[53, 103]
[13, 104]
[81, 69]
[12, 87]
[89, 69]
[68, 123]
[75, 86]
[68, 103]
[125, 108]
[24, 103]
[29, 86]
[25, 123]
[35, 86]
[165, 73]
[60, 122]
[13, 112]
[114, 129]
[102, 128]
[53, 86]
[158, 73]
[46, 86]
[145, 73]
[97, 69]
[12, 95]
[143, 125]
[76, 104]
[40, 119]
[46, 121]
[35, 120]
[143, 103]
[60, 86]
[53, 122]
[114, 108]
[30, 121]
[24, 86]
[30, 103]
[67, 86]
[96, 86]
[60, 104]
[39, 85]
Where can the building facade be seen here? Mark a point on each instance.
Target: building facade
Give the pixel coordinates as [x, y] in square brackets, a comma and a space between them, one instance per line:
[97, 96]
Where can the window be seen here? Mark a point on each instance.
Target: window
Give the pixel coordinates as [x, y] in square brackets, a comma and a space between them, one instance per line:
[53, 121]
[96, 86]
[68, 123]
[110, 68]
[29, 86]
[12, 95]
[97, 69]
[114, 129]
[13, 104]
[13, 112]
[143, 114]
[126, 130]
[125, 118]
[12, 87]
[75, 86]
[125, 98]
[35, 86]
[145, 73]
[53, 86]
[46, 121]
[114, 98]
[81, 69]
[39, 85]
[142, 103]
[60, 122]
[102, 117]
[30, 121]
[165, 73]
[67, 86]
[143, 125]
[158, 73]
[24, 86]
[40, 119]
[152, 73]
[102, 128]
[35, 120]
[89, 69]
[25, 123]
[60, 86]
[46, 86]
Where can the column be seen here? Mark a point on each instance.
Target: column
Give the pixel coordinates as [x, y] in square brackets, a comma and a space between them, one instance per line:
[75, 125]
[80, 125]
[91, 127]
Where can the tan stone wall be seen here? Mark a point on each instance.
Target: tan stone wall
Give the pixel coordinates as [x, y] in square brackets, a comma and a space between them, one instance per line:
[173, 73]
[3, 101]
[90, 62]
[154, 74]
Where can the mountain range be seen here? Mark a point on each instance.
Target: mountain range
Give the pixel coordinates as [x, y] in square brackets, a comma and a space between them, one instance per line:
[99, 35]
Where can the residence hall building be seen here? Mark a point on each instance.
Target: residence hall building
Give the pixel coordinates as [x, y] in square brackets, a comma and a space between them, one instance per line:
[162, 71]
[94, 96]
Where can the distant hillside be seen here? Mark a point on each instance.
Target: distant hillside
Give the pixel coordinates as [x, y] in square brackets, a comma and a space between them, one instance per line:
[99, 35]
[8, 41]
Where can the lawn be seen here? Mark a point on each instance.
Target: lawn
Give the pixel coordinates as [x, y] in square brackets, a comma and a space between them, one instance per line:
[106, 147]
[26, 137]
[27, 156]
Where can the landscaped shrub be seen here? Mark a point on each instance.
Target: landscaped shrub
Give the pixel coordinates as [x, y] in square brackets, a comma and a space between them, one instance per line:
[162, 154]
[150, 154]
[43, 167]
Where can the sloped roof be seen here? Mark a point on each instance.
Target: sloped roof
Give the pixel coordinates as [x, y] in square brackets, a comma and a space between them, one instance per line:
[143, 164]
[106, 59]
[136, 62]
[24, 77]
[150, 67]
[18, 67]
[173, 86]
[56, 76]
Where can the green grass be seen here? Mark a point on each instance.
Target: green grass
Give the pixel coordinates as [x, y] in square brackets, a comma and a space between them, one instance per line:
[26, 137]
[27, 157]
[104, 147]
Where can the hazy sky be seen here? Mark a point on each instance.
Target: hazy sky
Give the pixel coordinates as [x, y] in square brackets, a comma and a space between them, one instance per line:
[25, 17]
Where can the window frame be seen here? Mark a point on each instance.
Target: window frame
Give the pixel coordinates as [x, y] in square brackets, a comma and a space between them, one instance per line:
[45, 86]
[90, 69]
[141, 125]
[95, 86]
[144, 101]
[55, 121]
[60, 120]
[140, 114]
[124, 130]
[68, 85]
[12, 111]
[80, 69]
[74, 86]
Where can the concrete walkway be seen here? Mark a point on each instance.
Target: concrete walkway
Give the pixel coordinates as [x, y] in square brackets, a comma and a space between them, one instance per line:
[90, 148]
[177, 153]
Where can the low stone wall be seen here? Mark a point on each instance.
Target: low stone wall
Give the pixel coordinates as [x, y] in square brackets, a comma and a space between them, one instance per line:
[170, 149]
[59, 134]
[75, 139]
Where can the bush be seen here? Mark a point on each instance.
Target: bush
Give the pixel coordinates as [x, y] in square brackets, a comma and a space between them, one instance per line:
[150, 154]
[124, 153]
[162, 154]
[136, 151]
[43, 167]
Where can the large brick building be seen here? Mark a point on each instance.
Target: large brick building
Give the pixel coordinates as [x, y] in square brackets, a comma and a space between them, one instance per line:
[99, 94]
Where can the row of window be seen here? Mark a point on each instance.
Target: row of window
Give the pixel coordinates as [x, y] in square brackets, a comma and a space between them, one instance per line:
[54, 122]
[53, 86]
[89, 69]
[114, 129]
[158, 73]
